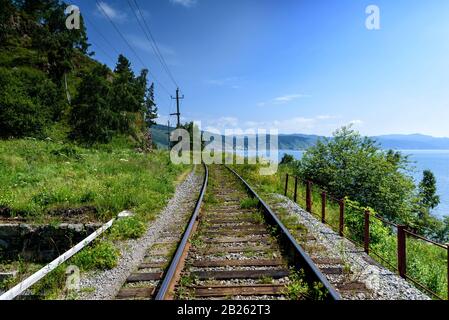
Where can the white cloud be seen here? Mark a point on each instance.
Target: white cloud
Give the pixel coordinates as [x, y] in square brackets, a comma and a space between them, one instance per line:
[143, 44]
[292, 125]
[229, 82]
[283, 99]
[325, 117]
[289, 97]
[114, 14]
[320, 124]
[222, 123]
[184, 3]
[356, 122]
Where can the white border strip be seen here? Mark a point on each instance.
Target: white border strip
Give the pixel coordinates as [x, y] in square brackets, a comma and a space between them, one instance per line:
[21, 287]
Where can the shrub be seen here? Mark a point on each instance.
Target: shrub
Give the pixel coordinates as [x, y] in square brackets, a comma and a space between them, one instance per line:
[128, 228]
[249, 203]
[102, 256]
[91, 118]
[28, 102]
[350, 165]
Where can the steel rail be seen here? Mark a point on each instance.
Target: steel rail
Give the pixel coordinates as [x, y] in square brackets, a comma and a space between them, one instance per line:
[171, 272]
[300, 257]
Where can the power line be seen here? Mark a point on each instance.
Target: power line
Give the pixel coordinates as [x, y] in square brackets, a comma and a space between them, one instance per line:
[128, 44]
[102, 35]
[105, 53]
[153, 42]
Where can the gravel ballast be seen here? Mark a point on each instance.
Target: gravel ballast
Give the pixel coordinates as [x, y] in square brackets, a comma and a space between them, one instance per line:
[105, 285]
[384, 284]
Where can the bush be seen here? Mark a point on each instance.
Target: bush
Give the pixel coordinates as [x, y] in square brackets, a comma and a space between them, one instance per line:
[128, 228]
[349, 165]
[102, 256]
[91, 118]
[28, 102]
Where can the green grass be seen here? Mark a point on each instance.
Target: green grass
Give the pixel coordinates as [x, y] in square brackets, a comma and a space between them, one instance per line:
[42, 178]
[128, 228]
[249, 203]
[39, 177]
[103, 256]
[298, 289]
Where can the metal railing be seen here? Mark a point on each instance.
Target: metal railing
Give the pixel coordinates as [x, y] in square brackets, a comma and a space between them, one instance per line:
[336, 219]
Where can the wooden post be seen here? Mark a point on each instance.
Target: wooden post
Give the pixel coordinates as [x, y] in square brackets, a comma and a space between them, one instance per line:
[286, 185]
[323, 207]
[342, 217]
[309, 197]
[367, 237]
[296, 190]
[402, 252]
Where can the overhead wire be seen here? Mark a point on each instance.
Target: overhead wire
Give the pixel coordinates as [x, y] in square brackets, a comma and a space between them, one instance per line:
[129, 45]
[101, 35]
[152, 40]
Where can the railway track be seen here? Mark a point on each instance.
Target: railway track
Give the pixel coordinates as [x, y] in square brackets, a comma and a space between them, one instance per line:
[233, 247]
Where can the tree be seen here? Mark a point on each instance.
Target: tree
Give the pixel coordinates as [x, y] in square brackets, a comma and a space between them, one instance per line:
[444, 233]
[27, 100]
[53, 38]
[428, 190]
[150, 107]
[428, 200]
[287, 159]
[126, 95]
[5, 15]
[91, 118]
[355, 166]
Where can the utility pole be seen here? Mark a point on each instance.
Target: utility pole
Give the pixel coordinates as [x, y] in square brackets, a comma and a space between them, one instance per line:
[178, 113]
[168, 135]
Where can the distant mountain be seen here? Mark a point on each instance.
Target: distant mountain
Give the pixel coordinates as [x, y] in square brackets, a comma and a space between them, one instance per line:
[394, 141]
[303, 141]
[286, 142]
[160, 136]
[412, 141]
[297, 141]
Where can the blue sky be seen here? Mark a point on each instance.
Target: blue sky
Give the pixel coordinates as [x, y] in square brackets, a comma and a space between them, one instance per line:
[298, 66]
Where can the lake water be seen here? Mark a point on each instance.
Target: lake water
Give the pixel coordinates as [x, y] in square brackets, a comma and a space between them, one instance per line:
[435, 160]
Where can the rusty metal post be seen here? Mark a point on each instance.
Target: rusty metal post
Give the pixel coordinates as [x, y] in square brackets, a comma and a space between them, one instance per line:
[286, 185]
[323, 207]
[309, 197]
[447, 271]
[402, 252]
[295, 197]
[342, 217]
[367, 237]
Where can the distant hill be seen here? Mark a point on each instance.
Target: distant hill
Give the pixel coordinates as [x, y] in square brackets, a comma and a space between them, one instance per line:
[297, 141]
[394, 141]
[160, 137]
[303, 141]
[413, 141]
[287, 142]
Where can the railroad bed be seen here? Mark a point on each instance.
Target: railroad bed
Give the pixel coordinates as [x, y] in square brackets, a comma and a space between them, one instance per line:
[232, 248]
[233, 253]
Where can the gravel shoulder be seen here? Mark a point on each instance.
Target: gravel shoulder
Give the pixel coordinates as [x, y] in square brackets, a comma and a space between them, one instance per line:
[105, 285]
[384, 284]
